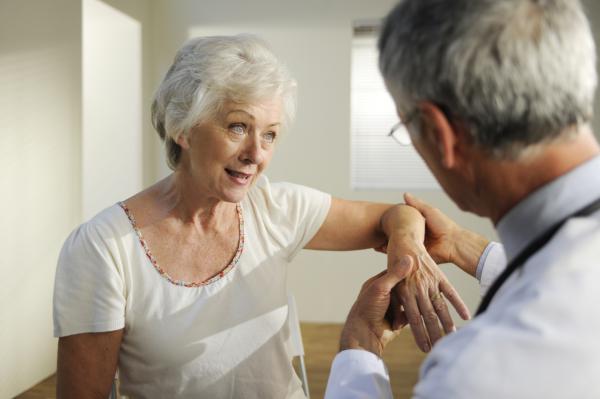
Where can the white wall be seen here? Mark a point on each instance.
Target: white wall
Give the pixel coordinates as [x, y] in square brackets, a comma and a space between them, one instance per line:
[112, 106]
[42, 152]
[314, 39]
[140, 11]
[40, 120]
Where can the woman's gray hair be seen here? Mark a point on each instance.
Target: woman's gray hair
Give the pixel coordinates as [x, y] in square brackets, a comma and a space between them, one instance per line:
[516, 72]
[209, 71]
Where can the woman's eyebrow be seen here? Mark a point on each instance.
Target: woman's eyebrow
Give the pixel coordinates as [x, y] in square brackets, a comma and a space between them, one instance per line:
[251, 116]
[241, 110]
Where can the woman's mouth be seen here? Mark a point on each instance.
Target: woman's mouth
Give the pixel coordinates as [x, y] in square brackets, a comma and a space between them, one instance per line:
[238, 177]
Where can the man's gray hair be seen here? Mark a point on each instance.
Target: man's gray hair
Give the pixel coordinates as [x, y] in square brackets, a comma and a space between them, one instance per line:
[516, 72]
[210, 71]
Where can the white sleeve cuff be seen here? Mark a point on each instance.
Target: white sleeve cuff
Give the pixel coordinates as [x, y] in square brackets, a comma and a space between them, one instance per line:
[491, 264]
[358, 374]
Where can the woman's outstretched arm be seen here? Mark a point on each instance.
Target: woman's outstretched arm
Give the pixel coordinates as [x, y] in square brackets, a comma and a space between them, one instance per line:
[397, 230]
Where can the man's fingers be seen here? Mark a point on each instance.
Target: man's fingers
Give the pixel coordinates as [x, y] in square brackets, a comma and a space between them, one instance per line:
[413, 316]
[384, 282]
[367, 283]
[416, 203]
[452, 295]
[382, 249]
[396, 272]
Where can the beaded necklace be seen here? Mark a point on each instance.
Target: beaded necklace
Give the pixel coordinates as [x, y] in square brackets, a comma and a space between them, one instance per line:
[183, 283]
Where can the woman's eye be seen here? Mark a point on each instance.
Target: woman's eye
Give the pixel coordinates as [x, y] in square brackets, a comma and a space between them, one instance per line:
[238, 128]
[269, 137]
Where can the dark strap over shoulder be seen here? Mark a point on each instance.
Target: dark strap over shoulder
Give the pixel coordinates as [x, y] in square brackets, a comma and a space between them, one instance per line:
[531, 249]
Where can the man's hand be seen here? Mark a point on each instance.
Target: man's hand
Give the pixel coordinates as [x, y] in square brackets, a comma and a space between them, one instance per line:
[367, 326]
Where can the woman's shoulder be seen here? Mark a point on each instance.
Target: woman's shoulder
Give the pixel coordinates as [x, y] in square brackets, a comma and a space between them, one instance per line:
[265, 191]
[111, 220]
[285, 201]
[90, 288]
[97, 232]
[288, 214]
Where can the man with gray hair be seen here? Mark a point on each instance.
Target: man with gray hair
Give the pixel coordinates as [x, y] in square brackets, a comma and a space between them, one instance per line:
[497, 96]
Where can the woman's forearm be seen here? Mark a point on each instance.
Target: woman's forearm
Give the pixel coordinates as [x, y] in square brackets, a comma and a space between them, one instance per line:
[352, 225]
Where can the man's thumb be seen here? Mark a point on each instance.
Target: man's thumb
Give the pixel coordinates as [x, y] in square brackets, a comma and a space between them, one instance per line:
[401, 267]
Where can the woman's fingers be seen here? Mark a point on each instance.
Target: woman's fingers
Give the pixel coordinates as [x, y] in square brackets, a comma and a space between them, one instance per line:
[401, 320]
[441, 309]
[397, 318]
[423, 305]
[452, 295]
[413, 316]
[429, 315]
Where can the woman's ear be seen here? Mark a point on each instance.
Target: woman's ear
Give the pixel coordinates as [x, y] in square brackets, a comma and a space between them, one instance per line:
[442, 134]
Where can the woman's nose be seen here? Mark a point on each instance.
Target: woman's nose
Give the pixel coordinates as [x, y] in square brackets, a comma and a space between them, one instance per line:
[252, 152]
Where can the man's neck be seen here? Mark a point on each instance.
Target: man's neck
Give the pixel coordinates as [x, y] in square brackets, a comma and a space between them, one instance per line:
[506, 183]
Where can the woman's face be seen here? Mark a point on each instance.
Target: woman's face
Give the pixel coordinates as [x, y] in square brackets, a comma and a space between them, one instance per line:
[225, 155]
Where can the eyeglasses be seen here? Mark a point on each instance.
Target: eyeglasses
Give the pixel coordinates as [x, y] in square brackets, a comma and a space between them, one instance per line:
[399, 131]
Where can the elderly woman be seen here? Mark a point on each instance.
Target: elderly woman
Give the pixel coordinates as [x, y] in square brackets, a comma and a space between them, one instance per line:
[183, 285]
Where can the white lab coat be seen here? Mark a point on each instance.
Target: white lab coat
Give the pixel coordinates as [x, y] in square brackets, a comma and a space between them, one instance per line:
[539, 337]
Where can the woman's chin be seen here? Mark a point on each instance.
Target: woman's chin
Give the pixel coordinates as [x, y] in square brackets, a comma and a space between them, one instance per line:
[235, 195]
[237, 191]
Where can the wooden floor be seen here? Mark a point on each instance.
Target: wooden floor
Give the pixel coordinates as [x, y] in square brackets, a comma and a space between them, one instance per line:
[320, 344]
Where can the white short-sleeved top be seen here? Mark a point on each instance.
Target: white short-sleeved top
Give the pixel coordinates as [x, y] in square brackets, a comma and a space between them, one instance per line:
[226, 339]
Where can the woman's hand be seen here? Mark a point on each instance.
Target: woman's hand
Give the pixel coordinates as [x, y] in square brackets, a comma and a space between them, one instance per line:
[420, 299]
[446, 241]
[352, 225]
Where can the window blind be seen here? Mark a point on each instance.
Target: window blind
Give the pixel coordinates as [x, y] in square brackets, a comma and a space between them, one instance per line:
[378, 161]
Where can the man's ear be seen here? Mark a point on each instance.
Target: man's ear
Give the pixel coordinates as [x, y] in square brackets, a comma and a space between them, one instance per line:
[183, 141]
[441, 132]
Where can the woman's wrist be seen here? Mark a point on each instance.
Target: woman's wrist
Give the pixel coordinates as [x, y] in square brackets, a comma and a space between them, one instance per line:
[403, 220]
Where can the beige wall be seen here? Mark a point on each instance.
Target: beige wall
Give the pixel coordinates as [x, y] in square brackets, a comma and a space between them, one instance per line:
[314, 39]
[40, 119]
